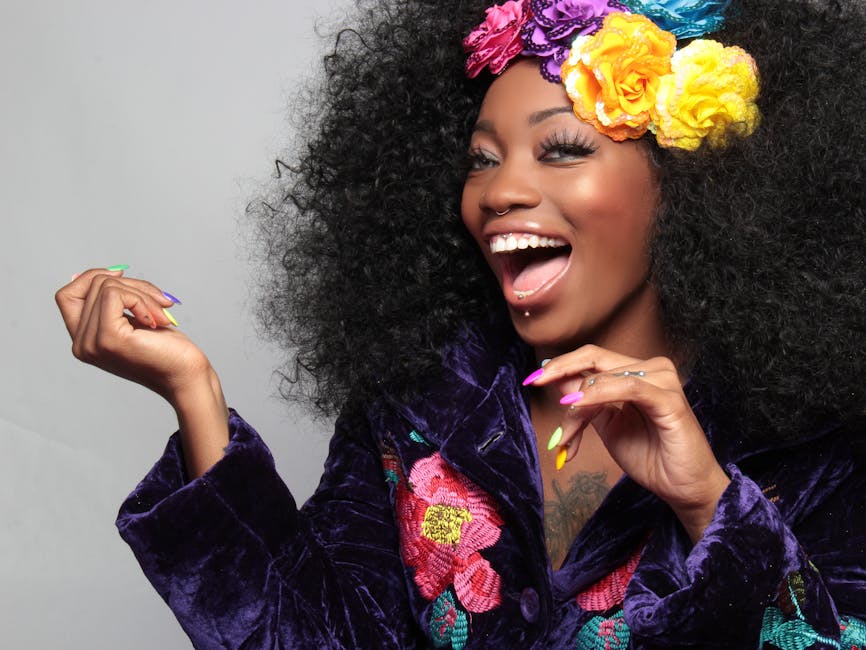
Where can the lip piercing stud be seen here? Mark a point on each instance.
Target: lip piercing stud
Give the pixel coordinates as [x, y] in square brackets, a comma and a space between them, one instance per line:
[526, 313]
[520, 295]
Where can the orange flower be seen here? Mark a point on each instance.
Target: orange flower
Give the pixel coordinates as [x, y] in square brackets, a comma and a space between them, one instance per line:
[613, 76]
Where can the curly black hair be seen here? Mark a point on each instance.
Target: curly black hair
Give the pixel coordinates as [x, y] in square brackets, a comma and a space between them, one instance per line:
[758, 251]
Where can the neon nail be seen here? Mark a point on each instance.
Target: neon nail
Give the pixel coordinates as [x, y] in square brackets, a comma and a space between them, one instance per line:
[170, 318]
[560, 458]
[535, 375]
[172, 298]
[571, 398]
[117, 267]
[554, 439]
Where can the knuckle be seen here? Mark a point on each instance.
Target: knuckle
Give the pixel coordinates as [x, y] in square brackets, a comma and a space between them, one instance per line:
[664, 363]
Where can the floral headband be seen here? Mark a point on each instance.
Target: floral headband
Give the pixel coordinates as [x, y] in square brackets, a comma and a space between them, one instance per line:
[620, 65]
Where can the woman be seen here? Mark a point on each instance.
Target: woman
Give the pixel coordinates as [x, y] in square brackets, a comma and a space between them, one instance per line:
[683, 464]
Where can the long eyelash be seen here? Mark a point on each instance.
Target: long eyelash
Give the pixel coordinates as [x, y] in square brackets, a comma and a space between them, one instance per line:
[476, 155]
[575, 143]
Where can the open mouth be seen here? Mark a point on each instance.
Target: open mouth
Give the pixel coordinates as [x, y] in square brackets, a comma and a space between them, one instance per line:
[530, 262]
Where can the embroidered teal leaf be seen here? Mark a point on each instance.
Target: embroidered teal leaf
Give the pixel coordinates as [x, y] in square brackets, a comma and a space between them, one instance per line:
[417, 437]
[604, 633]
[790, 634]
[853, 633]
[448, 622]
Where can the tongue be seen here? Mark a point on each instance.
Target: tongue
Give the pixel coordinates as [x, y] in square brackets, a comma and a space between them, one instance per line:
[538, 273]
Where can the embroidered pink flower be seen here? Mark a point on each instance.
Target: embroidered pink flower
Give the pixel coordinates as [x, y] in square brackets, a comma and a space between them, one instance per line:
[497, 40]
[444, 520]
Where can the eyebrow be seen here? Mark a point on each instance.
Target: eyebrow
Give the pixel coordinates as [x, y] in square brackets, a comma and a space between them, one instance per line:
[486, 126]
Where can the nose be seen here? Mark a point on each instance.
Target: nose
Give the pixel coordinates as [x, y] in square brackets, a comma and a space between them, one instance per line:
[510, 185]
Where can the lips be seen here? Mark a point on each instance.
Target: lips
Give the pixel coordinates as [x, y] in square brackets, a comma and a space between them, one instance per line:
[531, 264]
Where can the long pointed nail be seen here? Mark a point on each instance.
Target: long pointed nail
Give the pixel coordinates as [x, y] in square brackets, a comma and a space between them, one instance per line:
[535, 375]
[117, 267]
[172, 298]
[554, 439]
[560, 458]
[571, 398]
[169, 316]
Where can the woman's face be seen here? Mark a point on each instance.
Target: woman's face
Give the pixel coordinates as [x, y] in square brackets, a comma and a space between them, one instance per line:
[571, 251]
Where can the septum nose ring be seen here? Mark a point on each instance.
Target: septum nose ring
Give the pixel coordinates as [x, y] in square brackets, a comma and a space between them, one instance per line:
[503, 213]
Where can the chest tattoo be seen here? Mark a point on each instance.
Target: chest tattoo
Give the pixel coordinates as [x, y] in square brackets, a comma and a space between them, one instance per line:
[566, 510]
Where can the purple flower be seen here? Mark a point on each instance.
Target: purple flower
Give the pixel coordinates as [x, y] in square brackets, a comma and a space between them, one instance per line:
[556, 23]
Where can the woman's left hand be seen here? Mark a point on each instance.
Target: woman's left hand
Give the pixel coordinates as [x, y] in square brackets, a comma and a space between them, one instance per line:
[640, 412]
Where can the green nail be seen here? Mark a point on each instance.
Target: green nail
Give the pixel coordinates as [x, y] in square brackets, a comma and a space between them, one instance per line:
[117, 267]
[554, 439]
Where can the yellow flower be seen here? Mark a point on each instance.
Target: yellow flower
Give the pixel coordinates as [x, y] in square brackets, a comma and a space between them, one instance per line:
[710, 94]
[613, 76]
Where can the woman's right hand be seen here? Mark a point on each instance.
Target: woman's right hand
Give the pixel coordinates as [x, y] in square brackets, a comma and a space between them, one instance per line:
[119, 324]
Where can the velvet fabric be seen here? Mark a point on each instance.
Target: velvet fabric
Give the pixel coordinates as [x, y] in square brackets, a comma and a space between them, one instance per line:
[241, 566]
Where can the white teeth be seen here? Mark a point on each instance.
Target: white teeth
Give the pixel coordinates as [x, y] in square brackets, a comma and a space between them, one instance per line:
[512, 242]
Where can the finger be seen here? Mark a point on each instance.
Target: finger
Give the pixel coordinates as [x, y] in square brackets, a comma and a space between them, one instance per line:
[151, 309]
[573, 424]
[118, 310]
[71, 297]
[659, 371]
[658, 395]
[587, 359]
[568, 450]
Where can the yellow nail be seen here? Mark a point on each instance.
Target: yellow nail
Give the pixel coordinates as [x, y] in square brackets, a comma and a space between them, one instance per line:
[169, 316]
[554, 439]
[560, 458]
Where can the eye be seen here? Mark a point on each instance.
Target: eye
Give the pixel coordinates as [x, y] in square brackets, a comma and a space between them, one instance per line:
[564, 147]
[478, 159]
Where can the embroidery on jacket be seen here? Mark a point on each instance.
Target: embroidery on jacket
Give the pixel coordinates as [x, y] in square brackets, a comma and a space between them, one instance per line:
[853, 633]
[604, 633]
[607, 630]
[785, 626]
[444, 520]
[449, 624]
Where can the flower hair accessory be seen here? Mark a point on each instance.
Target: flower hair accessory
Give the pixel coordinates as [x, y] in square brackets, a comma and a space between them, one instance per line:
[619, 63]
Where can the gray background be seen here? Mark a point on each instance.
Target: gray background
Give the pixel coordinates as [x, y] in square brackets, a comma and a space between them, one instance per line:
[130, 132]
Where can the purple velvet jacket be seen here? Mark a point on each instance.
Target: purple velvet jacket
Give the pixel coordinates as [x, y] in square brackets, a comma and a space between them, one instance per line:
[426, 531]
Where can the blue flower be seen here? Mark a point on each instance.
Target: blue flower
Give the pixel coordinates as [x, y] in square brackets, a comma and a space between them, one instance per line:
[683, 18]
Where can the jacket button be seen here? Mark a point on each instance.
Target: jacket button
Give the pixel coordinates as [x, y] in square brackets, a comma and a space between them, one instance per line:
[529, 604]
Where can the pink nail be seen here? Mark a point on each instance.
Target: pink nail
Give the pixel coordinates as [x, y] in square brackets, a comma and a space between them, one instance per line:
[535, 375]
[571, 398]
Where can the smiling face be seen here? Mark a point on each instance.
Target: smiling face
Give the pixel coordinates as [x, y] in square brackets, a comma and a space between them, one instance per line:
[572, 247]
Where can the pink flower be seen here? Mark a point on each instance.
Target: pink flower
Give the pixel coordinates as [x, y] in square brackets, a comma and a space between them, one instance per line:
[444, 520]
[497, 40]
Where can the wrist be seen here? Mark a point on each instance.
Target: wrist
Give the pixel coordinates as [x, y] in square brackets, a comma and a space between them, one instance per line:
[202, 418]
[697, 513]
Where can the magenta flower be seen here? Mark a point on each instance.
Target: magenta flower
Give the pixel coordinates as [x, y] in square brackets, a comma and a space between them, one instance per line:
[444, 520]
[555, 24]
[497, 40]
